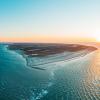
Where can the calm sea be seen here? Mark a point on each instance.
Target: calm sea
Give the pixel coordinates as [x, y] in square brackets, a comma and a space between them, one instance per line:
[78, 79]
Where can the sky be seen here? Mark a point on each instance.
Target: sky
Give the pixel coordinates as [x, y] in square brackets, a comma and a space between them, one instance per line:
[49, 20]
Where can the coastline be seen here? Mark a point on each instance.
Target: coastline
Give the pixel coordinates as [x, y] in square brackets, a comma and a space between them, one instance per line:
[53, 57]
[63, 60]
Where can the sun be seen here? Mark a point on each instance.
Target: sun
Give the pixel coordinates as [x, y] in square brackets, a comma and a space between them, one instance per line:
[98, 39]
[96, 36]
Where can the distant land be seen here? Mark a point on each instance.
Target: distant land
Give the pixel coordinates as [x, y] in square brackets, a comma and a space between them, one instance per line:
[44, 49]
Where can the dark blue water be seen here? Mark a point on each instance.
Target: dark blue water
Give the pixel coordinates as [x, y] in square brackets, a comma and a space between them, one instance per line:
[78, 79]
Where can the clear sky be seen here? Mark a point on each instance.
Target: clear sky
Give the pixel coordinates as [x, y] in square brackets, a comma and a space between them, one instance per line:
[38, 20]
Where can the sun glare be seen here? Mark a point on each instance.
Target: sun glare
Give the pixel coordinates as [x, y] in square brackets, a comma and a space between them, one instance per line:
[96, 36]
[98, 39]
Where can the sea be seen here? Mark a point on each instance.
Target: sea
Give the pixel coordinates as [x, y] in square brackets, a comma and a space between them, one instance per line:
[76, 79]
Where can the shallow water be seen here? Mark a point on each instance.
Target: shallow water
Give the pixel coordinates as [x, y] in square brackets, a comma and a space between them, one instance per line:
[78, 79]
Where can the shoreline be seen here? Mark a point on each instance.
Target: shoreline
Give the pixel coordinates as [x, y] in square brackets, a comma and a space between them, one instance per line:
[75, 54]
[63, 60]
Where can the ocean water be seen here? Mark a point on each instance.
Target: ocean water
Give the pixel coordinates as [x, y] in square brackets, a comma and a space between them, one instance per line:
[77, 79]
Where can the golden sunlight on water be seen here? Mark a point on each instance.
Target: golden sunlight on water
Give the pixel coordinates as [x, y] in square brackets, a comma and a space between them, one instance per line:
[93, 78]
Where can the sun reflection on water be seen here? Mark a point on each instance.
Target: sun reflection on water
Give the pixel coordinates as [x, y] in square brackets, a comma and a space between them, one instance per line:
[93, 78]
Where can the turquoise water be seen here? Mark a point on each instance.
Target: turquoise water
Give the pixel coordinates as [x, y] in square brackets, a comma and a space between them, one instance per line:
[78, 79]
